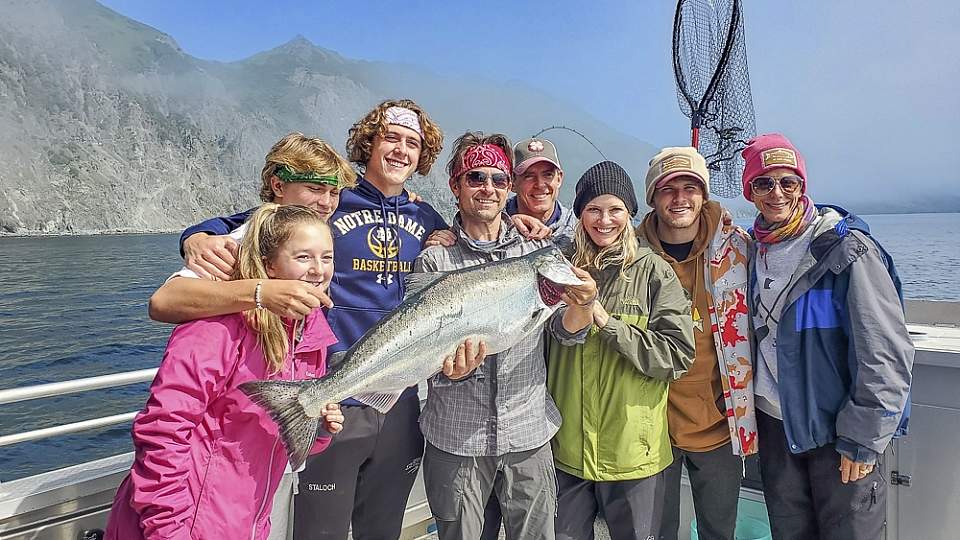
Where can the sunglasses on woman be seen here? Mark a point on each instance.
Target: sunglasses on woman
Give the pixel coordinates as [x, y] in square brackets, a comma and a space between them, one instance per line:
[478, 179]
[789, 184]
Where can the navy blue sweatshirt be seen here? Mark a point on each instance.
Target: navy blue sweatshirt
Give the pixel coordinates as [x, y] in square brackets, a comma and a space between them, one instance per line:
[376, 239]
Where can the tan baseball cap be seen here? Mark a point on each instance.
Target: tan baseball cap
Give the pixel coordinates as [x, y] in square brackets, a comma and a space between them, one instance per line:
[530, 151]
[676, 161]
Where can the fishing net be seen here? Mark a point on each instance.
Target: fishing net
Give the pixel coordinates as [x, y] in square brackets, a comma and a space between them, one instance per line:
[713, 86]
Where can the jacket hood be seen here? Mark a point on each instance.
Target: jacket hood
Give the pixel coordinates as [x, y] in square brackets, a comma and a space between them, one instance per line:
[710, 216]
[852, 220]
[368, 191]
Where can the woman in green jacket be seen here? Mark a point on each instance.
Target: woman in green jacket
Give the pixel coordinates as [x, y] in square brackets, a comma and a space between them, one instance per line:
[612, 388]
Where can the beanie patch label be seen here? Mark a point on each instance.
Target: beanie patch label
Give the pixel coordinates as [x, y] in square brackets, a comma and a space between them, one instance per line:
[675, 163]
[779, 156]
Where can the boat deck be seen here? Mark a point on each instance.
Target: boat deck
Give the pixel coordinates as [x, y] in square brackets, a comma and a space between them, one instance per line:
[924, 499]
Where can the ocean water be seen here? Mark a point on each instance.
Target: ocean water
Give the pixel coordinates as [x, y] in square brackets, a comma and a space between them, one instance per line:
[75, 307]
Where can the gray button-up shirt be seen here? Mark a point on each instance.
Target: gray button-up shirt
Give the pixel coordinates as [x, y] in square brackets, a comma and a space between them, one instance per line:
[503, 406]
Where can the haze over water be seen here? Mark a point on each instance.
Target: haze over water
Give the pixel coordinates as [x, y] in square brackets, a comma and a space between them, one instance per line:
[75, 307]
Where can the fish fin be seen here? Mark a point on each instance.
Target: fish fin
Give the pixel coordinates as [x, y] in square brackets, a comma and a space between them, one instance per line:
[381, 402]
[418, 281]
[297, 429]
[334, 361]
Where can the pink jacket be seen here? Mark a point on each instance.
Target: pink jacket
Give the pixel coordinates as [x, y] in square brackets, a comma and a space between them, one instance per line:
[208, 460]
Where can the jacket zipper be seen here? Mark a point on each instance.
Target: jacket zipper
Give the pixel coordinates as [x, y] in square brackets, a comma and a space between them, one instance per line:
[273, 451]
[263, 503]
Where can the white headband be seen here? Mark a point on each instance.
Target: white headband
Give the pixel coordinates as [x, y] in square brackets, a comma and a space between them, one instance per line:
[402, 116]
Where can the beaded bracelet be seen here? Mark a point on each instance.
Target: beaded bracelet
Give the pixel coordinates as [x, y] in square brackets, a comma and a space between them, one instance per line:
[256, 295]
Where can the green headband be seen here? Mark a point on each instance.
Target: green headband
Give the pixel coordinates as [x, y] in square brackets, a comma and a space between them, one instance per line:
[287, 174]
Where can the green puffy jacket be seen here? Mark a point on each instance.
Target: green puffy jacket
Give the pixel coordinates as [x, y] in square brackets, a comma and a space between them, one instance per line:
[612, 389]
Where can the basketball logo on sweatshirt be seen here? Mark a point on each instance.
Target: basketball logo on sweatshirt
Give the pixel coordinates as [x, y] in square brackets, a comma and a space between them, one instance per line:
[383, 242]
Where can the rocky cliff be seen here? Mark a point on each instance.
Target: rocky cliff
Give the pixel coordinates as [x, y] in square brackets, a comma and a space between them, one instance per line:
[106, 124]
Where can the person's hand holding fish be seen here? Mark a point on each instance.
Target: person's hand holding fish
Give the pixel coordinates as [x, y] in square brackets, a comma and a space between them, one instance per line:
[580, 295]
[580, 301]
[465, 361]
[332, 418]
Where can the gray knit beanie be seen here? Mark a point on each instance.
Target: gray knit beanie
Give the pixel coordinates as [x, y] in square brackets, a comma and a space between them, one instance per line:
[605, 178]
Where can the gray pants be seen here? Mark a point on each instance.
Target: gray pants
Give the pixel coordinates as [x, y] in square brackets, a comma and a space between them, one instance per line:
[631, 508]
[281, 515]
[458, 488]
[715, 482]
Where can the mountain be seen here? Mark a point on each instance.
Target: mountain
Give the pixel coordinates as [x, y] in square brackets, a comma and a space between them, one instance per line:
[106, 124]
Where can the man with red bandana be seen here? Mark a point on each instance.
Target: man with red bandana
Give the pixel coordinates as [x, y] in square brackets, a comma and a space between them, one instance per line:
[537, 178]
[489, 431]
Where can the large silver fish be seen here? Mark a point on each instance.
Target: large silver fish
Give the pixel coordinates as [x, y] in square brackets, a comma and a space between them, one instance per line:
[498, 303]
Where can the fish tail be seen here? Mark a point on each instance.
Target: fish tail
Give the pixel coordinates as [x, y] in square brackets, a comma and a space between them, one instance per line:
[298, 430]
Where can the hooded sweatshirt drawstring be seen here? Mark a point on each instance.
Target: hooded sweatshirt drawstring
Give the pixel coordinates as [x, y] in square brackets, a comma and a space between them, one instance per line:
[385, 252]
[391, 233]
[396, 234]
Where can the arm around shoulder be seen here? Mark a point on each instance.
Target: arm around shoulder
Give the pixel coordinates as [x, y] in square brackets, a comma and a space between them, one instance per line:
[183, 299]
[215, 226]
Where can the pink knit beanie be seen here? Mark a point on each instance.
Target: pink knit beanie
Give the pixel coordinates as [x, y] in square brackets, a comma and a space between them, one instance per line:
[770, 151]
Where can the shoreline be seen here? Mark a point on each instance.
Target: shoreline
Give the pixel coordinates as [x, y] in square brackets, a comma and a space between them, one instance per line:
[131, 232]
[107, 232]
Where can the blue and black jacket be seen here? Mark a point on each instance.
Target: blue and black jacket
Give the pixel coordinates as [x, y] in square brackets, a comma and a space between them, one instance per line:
[844, 356]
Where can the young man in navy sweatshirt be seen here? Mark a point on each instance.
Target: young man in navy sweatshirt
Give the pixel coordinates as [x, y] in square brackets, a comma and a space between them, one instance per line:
[378, 232]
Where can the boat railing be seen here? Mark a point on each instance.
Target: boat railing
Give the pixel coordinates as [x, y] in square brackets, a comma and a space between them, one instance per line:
[39, 391]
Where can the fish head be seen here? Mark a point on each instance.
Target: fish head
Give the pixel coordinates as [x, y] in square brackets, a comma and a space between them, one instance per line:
[554, 272]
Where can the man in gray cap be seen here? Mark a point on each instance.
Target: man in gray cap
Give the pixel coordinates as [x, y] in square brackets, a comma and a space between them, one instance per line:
[537, 177]
[537, 180]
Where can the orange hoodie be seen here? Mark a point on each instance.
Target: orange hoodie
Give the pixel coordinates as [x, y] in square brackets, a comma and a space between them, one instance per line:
[695, 414]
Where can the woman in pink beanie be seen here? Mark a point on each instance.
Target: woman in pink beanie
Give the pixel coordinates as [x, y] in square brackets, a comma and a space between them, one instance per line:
[831, 353]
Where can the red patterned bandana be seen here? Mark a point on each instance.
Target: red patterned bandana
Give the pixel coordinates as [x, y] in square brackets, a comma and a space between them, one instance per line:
[485, 155]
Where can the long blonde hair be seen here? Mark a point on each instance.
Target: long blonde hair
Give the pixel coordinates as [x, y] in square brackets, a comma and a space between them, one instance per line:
[267, 230]
[621, 253]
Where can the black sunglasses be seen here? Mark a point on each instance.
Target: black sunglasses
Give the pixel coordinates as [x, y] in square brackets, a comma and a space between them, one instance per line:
[477, 179]
[789, 184]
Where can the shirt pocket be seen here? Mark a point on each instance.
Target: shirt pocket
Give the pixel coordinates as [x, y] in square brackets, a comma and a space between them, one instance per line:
[632, 310]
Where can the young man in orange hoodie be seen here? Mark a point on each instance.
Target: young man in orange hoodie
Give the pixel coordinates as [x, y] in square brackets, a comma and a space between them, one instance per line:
[710, 411]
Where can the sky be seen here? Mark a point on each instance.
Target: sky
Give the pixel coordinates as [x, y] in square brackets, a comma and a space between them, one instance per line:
[867, 89]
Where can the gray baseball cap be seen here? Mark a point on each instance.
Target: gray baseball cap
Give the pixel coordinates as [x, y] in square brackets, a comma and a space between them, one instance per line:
[530, 151]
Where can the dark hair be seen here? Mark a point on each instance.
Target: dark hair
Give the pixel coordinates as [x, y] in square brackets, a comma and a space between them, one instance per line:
[471, 139]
